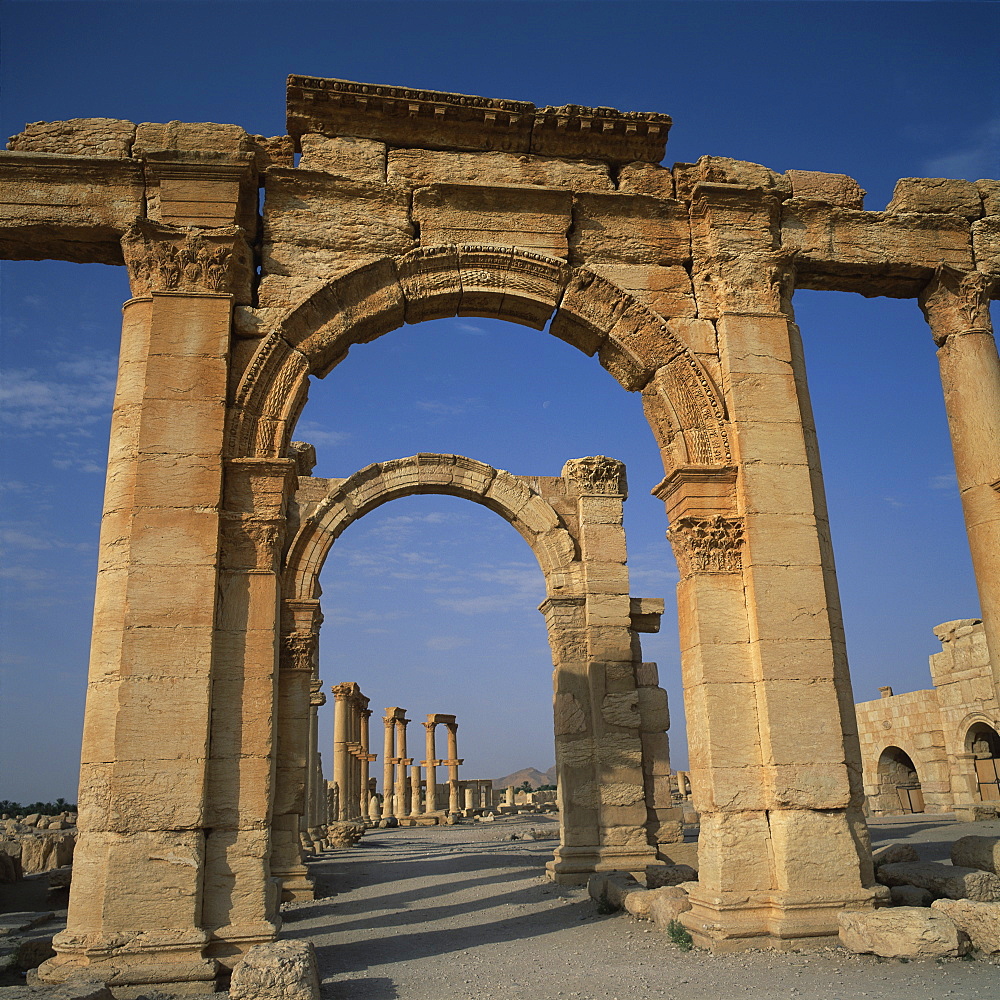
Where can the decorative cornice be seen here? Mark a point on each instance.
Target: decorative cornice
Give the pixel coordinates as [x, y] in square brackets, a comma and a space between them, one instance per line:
[707, 544]
[401, 116]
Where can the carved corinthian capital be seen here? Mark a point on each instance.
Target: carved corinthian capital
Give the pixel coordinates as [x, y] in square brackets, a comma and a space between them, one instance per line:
[707, 544]
[957, 302]
[598, 474]
[162, 258]
[297, 651]
[316, 696]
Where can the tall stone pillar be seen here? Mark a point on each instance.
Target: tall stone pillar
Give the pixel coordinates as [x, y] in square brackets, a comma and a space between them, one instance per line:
[146, 763]
[430, 767]
[453, 763]
[402, 806]
[414, 788]
[388, 763]
[365, 760]
[314, 773]
[775, 759]
[957, 307]
[342, 711]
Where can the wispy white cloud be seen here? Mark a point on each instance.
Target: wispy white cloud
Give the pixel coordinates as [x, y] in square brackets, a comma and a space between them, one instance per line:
[316, 434]
[949, 481]
[79, 463]
[977, 157]
[447, 408]
[473, 328]
[76, 394]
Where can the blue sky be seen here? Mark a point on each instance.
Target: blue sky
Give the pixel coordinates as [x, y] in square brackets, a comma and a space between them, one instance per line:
[430, 602]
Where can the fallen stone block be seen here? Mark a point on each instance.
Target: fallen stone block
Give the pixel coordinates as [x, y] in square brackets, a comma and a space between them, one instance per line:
[883, 895]
[342, 835]
[977, 852]
[661, 875]
[910, 895]
[948, 881]
[26, 951]
[894, 854]
[981, 921]
[75, 989]
[640, 904]
[10, 868]
[610, 889]
[902, 932]
[670, 902]
[17, 923]
[279, 970]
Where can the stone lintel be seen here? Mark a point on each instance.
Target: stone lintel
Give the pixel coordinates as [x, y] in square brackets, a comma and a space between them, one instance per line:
[645, 613]
[437, 719]
[430, 119]
[698, 491]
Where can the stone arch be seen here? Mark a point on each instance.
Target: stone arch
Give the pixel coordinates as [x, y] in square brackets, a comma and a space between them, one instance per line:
[978, 728]
[685, 409]
[898, 779]
[452, 475]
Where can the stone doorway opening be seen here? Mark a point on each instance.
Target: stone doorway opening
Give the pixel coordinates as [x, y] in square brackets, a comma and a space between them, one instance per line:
[983, 742]
[899, 783]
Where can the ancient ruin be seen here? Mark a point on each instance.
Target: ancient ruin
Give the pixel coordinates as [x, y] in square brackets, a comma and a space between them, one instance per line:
[409, 205]
[937, 750]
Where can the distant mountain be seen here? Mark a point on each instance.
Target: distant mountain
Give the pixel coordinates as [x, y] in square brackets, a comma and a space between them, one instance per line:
[532, 775]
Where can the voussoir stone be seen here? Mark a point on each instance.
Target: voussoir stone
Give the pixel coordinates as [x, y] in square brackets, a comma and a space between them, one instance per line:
[949, 881]
[977, 852]
[902, 932]
[981, 921]
[279, 970]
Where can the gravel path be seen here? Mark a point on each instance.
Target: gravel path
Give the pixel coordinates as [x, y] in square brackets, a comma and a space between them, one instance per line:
[465, 913]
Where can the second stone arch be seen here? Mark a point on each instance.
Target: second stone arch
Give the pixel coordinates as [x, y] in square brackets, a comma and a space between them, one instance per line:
[610, 715]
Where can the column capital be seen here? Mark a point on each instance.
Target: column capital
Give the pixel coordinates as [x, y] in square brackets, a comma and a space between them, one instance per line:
[297, 653]
[707, 544]
[956, 302]
[344, 691]
[316, 696]
[597, 475]
[165, 258]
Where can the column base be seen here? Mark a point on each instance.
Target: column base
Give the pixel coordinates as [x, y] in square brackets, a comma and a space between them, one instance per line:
[228, 944]
[734, 922]
[134, 964]
[575, 865]
[296, 884]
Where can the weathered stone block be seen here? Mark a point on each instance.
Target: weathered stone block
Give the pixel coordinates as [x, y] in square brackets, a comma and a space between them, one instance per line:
[363, 159]
[660, 876]
[105, 137]
[646, 178]
[977, 852]
[153, 137]
[981, 921]
[834, 189]
[986, 244]
[950, 881]
[628, 229]
[902, 932]
[894, 854]
[280, 970]
[936, 195]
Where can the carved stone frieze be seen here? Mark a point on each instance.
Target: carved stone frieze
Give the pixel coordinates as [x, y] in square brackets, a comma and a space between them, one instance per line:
[597, 474]
[164, 258]
[957, 302]
[707, 544]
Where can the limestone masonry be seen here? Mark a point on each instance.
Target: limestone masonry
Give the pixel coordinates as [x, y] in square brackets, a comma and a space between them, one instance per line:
[409, 205]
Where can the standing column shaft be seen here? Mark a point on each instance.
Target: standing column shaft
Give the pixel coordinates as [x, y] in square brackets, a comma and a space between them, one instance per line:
[453, 793]
[414, 789]
[365, 760]
[957, 308]
[400, 810]
[341, 755]
[388, 753]
[430, 772]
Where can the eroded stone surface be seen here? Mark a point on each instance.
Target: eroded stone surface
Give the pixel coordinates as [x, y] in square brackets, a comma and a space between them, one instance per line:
[902, 932]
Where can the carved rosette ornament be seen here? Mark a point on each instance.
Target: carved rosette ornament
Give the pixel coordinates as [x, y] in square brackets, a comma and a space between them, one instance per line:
[162, 258]
[597, 475]
[957, 302]
[297, 652]
[707, 544]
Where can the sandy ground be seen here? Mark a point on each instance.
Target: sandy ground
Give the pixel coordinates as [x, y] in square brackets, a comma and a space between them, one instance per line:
[465, 912]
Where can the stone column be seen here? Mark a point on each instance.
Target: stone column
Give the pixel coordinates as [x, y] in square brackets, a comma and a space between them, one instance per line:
[342, 709]
[469, 804]
[365, 760]
[402, 807]
[316, 700]
[414, 788]
[430, 768]
[957, 307]
[453, 763]
[388, 763]
[508, 797]
[775, 758]
[148, 731]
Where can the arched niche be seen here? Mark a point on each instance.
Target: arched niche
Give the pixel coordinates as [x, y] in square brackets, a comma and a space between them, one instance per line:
[899, 782]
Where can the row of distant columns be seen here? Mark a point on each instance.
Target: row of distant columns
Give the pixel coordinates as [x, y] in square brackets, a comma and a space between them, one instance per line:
[351, 757]
[402, 797]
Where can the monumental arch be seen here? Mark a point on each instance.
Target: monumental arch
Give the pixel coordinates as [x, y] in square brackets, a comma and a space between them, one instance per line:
[408, 205]
[610, 715]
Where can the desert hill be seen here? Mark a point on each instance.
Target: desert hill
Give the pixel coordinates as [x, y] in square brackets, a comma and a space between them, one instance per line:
[532, 775]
